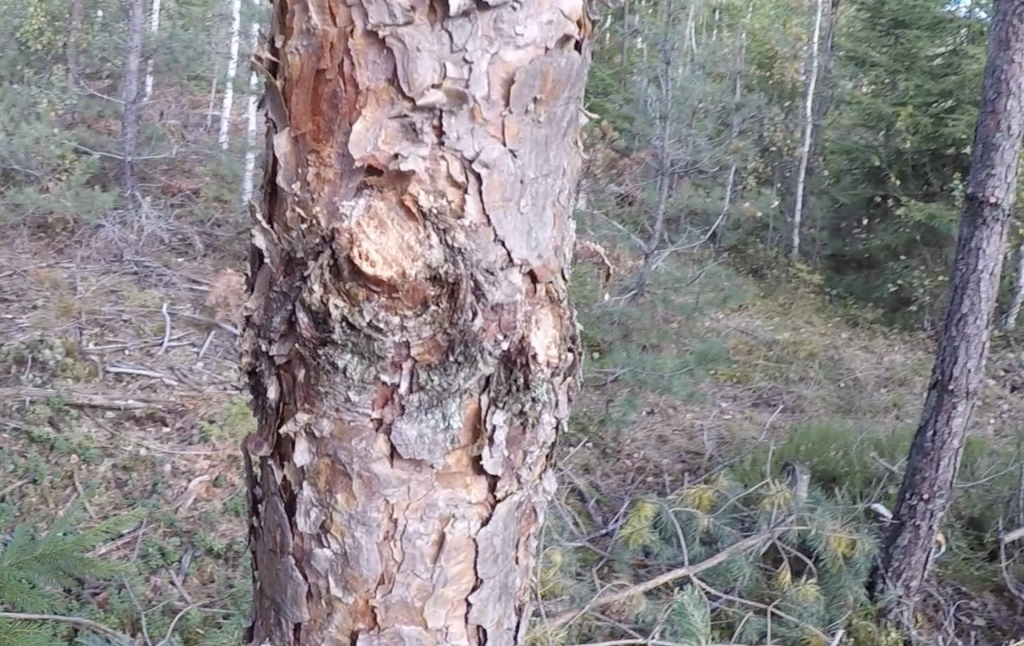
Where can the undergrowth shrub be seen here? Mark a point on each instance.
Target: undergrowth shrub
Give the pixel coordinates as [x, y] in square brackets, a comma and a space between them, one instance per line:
[44, 174]
[807, 583]
[797, 588]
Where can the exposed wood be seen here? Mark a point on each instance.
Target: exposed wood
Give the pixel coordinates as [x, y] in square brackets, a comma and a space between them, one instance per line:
[408, 339]
[960, 361]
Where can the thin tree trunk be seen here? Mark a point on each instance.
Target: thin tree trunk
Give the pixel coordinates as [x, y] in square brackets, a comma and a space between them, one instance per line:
[627, 36]
[71, 47]
[213, 94]
[130, 114]
[805, 149]
[974, 285]
[250, 128]
[822, 104]
[1013, 311]
[154, 29]
[408, 339]
[823, 98]
[665, 120]
[229, 82]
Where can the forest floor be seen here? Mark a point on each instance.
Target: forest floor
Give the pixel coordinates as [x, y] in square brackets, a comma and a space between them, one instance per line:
[114, 398]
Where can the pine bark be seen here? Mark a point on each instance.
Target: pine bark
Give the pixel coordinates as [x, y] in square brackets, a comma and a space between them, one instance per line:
[408, 339]
[960, 361]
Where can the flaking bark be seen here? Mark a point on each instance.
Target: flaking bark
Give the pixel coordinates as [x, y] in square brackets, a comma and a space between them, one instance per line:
[408, 340]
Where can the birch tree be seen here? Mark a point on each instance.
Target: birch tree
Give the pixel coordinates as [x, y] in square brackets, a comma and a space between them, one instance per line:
[408, 339]
[250, 128]
[808, 135]
[1017, 298]
[154, 29]
[130, 95]
[959, 367]
[229, 82]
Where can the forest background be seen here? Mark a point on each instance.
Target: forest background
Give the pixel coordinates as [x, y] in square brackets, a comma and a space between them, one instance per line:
[776, 185]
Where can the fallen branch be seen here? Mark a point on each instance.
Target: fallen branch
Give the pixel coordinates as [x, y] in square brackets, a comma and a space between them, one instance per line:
[84, 400]
[668, 577]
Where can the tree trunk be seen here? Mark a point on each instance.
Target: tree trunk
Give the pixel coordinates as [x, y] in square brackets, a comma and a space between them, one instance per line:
[408, 340]
[826, 59]
[665, 118]
[130, 114]
[960, 361]
[1017, 300]
[71, 46]
[249, 173]
[805, 149]
[229, 82]
[213, 91]
[154, 29]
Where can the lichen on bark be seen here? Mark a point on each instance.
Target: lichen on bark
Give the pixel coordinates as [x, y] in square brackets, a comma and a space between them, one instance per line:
[408, 339]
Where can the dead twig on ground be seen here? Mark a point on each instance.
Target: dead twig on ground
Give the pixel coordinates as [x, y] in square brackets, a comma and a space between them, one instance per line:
[141, 372]
[167, 329]
[770, 609]
[94, 626]
[678, 573]
[85, 400]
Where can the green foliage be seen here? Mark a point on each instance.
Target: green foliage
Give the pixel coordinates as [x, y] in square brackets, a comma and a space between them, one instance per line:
[44, 173]
[812, 576]
[38, 573]
[897, 148]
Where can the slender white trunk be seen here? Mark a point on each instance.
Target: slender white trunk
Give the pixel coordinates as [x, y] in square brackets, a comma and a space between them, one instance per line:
[250, 131]
[154, 29]
[735, 128]
[1010, 318]
[805, 150]
[213, 94]
[229, 84]
[664, 112]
